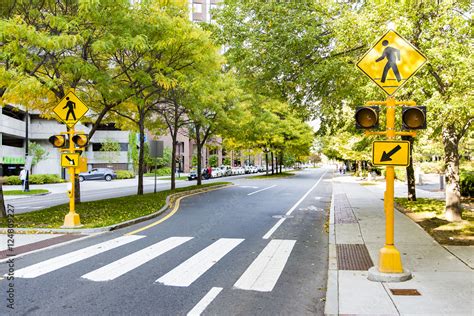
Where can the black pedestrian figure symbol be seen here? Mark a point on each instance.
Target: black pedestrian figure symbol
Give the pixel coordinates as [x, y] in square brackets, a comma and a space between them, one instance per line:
[71, 106]
[392, 55]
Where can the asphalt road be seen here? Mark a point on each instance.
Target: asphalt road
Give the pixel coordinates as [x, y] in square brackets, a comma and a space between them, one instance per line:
[103, 191]
[256, 248]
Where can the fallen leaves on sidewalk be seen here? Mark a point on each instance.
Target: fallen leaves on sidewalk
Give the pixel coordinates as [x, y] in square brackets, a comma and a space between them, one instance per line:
[429, 214]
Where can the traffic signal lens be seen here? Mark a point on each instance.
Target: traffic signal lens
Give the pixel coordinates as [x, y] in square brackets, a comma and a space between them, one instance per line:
[58, 141]
[366, 117]
[80, 140]
[414, 117]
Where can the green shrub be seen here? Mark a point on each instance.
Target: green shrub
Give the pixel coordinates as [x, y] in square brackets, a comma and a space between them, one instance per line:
[11, 180]
[467, 183]
[400, 173]
[125, 174]
[45, 179]
[160, 172]
[34, 179]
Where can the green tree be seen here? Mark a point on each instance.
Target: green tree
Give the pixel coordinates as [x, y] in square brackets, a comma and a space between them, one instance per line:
[38, 152]
[110, 149]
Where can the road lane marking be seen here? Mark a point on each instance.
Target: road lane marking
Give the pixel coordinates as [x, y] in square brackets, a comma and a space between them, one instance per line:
[262, 189]
[62, 261]
[190, 270]
[264, 272]
[173, 211]
[275, 227]
[204, 302]
[136, 259]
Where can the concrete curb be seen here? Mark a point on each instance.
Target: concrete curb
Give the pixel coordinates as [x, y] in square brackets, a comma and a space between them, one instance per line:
[170, 200]
[331, 306]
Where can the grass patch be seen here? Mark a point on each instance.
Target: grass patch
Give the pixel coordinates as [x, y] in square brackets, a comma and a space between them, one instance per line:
[100, 213]
[272, 176]
[429, 214]
[365, 183]
[21, 192]
[177, 178]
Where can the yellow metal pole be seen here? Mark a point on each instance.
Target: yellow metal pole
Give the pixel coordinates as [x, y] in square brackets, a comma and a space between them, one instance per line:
[72, 219]
[390, 260]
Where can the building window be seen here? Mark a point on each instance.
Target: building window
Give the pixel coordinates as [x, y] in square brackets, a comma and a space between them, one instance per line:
[13, 113]
[108, 127]
[197, 7]
[12, 142]
[98, 146]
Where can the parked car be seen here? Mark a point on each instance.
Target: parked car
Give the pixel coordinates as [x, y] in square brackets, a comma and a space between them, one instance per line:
[226, 170]
[98, 174]
[193, 174]
[216, 173]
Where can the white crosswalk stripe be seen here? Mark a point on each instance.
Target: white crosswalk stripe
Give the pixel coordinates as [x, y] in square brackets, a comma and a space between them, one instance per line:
[133, 261]
[190, 270]
[62, 261]
[264, 272]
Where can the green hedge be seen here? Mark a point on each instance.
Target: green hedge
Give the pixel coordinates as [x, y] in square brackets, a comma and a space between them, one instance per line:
[467, 183]
[160, 172]
[125, 174]
[34, 179]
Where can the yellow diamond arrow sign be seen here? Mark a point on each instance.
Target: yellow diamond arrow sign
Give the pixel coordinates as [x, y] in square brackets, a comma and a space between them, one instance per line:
[391, 153]
[391, 62]
[70, 109]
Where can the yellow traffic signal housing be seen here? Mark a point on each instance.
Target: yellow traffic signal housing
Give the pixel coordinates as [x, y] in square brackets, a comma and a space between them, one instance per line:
[367, 117]
[413, 117]
[58, 141]
[80, 140]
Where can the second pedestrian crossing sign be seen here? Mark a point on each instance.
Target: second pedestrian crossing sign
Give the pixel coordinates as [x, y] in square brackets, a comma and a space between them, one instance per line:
[70, 109]
[391, 62]
[391, 153]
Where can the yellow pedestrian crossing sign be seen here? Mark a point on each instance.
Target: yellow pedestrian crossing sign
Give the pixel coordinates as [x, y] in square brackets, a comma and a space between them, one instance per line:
[70, 109]
[391, 153]
[391, 62]
[69, 160]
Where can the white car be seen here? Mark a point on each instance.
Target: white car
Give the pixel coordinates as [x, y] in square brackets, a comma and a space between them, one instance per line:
[216, 173]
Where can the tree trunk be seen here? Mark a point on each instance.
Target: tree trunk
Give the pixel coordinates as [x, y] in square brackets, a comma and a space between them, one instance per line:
[199, 156]
[173, 160]
[281, 161]
[451, 158]
[410, 172]
[3, 211]
[77, 189]
[141, 156]
[359, 168]
[276, 162]
[266, 163]
[273, 169]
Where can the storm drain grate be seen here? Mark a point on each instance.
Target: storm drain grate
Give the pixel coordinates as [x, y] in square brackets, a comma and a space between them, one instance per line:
[353, 257]
[37, 245]
[343, 211]
[405, 292]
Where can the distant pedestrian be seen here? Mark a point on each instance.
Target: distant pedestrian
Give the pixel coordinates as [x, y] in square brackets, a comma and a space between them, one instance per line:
[23, 178]
[344, 168]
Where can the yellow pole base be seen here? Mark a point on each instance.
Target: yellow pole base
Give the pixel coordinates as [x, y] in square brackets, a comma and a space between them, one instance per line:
[72, 220]
[390, 260]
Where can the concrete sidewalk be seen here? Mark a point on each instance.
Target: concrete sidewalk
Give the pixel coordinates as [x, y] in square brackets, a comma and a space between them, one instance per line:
[442, 277]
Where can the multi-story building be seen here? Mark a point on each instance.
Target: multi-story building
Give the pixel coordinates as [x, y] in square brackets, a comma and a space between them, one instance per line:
[17, 127]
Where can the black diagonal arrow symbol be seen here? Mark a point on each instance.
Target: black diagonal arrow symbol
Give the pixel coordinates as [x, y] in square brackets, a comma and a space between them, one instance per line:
[388, 156]
[71, 161]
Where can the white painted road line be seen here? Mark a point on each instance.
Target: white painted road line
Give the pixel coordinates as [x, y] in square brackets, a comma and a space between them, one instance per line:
[133, 261]
[62, 261]
[275, 227]
[262, 189]
[264, 272]
[190, 270]
[204, 302]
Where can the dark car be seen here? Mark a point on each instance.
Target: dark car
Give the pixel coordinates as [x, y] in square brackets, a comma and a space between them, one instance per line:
[193, 174]
[98, 174]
